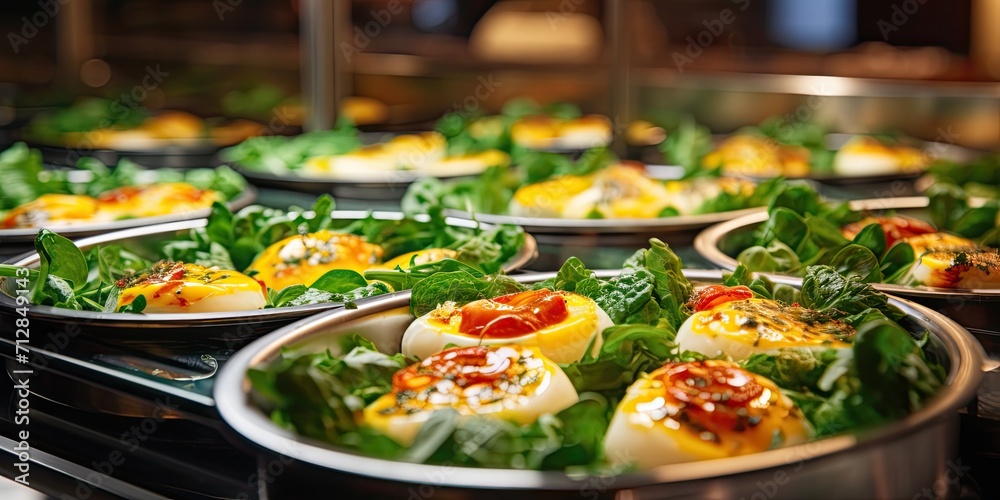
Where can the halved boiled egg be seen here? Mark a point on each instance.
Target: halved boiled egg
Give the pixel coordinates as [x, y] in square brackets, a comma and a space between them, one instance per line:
[155, 199]
[744, 154]
[512, 382]
[175, 287]
[52, 210]
[729, 322]
[468, 164]
[403, 152]
[701, 410]
[561, 324]
[545, 132]
[958, 269]
[619, 191]
[303, 259]
[866, 155]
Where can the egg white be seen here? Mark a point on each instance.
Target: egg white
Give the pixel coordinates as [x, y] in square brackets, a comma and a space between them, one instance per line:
[648, 437]
[523, 404]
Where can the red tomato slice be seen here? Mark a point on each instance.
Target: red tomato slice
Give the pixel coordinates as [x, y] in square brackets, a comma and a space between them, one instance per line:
[514, 314]
[714, 295]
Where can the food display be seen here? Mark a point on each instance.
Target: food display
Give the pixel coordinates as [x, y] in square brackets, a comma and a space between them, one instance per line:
[293, 247]
[619, 374]
[260, 258]
[95, 123]
[34, 197]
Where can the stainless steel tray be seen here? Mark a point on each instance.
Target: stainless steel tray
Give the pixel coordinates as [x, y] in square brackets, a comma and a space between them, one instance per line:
[196, 333]
[894, 461]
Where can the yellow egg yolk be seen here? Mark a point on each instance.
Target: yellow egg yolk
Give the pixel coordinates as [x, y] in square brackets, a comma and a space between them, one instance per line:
[303, 259]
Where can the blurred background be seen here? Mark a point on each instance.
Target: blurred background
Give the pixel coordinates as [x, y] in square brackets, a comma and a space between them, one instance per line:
[927, 68]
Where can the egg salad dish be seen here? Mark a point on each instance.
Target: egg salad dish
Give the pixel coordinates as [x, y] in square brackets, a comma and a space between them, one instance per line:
[779, 147]
[581, 373]
[32, 197]
[955, 248]
[340, 155]
[761, 156]
[259, 258]
[104, 124]
[596, 186]
[623, 191]
[523, 126]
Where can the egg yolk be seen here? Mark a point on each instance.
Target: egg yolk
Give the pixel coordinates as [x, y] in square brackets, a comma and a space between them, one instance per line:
[769, 325]
[125, 202]
[303, 259]
[176, 286]
[155, 199]
[51, 207]
[712, 402]
[748, 154]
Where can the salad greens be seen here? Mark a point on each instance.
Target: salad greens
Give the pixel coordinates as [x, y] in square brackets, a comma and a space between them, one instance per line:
[279, 154]
[686, 144]
[887, 373]
[69, 278]
[979, 177]
[25, 178]
[803, 230]
[84, 115]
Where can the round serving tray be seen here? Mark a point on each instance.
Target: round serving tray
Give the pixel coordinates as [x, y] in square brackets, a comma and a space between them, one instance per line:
[195, 333]
[973, 308]
[894, 461]
[836, 141]
[382, 186]
[17, 241]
